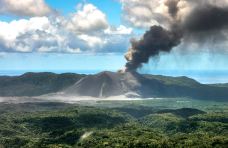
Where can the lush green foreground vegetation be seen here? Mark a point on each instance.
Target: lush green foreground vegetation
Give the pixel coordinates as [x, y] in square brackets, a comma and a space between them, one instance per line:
[152, 123]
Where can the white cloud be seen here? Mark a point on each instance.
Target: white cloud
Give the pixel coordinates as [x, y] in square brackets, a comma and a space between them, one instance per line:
[37, 34]
[87, 19]
[16, 35]
[48, 34]
[92, 40]
[12, 29]
[24, 7]
[119, 30]
[144, 14]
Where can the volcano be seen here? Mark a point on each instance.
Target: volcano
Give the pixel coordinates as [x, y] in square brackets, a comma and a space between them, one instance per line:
[106, 84]
[133, 84]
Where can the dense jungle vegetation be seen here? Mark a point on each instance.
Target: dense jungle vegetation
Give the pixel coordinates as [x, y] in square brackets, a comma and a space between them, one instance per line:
[131, 124]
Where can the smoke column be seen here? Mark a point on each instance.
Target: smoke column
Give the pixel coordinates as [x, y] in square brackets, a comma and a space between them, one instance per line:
[154, 41]
[203, 21]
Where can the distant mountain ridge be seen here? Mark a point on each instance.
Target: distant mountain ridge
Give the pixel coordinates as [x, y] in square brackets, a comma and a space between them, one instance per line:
[35, 84]
[106, 84]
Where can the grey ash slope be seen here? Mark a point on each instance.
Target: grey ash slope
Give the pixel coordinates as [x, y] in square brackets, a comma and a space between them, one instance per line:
[106, 84]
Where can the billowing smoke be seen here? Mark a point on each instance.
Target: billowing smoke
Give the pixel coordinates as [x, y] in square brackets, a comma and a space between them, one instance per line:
[188, 21]
[154, 41]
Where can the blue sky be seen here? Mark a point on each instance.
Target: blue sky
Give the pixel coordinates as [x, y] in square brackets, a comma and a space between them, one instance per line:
[84, 35]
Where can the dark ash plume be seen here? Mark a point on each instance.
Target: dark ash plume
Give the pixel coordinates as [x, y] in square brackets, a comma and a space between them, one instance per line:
[154, 41]
[206, 18]
[202, 23]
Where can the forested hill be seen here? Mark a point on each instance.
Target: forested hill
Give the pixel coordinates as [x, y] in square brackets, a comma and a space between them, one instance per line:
[34, 84]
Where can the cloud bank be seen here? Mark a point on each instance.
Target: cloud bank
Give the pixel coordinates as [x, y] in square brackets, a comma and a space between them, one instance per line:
[85, 31]
[24, 7]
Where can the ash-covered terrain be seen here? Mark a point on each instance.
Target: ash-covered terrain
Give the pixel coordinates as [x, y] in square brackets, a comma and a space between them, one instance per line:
[107, 84]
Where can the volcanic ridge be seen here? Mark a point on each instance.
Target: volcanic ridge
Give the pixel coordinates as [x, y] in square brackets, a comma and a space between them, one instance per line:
[107, 84]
